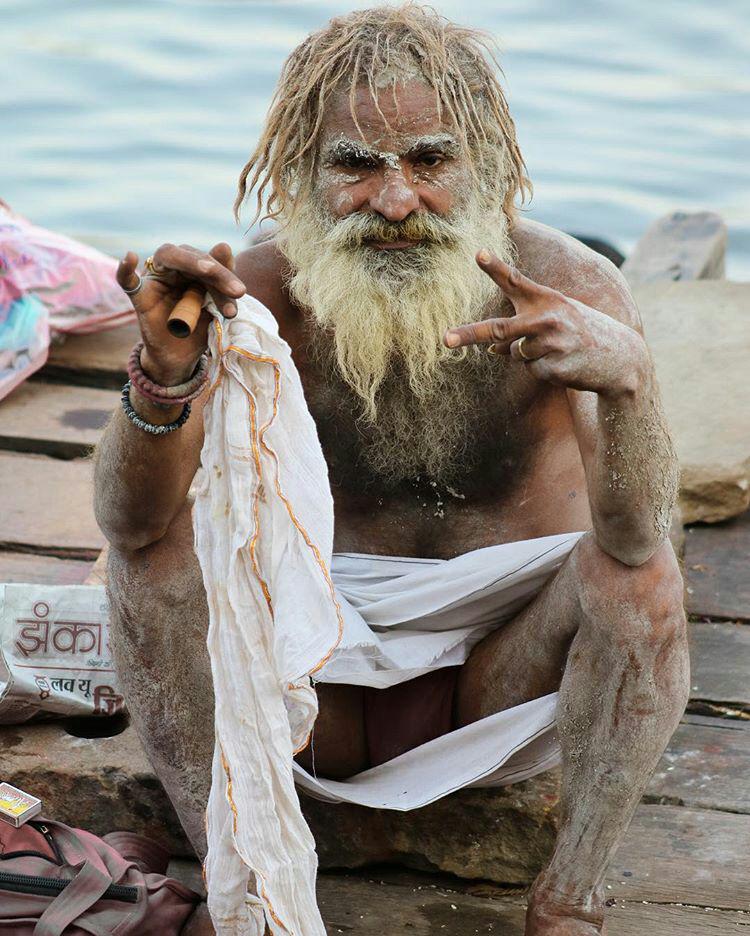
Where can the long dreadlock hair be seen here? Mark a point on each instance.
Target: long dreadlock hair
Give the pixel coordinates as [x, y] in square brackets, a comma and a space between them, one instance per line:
[459, 63]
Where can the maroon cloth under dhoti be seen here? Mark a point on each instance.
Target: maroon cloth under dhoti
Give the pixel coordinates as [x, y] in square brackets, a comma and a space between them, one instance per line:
[408, 714]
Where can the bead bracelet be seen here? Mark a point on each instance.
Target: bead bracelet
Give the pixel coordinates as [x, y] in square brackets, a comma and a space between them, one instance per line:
[146, 426]
[161, 395]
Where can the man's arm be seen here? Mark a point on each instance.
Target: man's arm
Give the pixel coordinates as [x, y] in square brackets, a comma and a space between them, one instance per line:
[141, 480]
[602, 360]
[632, 473]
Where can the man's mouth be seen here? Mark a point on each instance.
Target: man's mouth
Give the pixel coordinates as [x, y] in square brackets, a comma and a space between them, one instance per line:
[393, 245]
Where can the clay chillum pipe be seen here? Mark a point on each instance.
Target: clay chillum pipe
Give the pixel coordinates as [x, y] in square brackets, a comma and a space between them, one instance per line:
[184, 317]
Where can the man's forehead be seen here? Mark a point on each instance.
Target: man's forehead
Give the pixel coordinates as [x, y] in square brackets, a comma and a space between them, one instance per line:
[401, 114]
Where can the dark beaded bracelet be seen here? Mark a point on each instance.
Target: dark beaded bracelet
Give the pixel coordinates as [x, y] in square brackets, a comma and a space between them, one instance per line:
[146, 426]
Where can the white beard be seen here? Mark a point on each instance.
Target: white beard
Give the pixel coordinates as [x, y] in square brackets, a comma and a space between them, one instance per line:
[381, 316]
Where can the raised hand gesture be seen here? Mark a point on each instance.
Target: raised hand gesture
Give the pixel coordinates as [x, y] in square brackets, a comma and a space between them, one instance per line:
[558, 339]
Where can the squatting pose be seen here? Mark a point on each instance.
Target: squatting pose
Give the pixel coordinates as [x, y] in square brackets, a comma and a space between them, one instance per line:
[476, 379]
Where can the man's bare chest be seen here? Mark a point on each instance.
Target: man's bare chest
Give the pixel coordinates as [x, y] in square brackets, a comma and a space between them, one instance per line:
[515, 460]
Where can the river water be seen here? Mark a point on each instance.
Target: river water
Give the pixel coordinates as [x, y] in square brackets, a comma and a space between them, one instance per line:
[126, 123]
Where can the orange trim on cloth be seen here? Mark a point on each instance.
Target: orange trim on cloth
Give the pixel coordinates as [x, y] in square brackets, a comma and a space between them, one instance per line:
[280, 905]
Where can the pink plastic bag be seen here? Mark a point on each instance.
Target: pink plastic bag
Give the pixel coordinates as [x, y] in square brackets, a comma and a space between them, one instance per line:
[49, 285]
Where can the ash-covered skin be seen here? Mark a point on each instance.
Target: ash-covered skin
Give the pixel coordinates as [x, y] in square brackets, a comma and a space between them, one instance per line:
[343, 161]
[547, 457]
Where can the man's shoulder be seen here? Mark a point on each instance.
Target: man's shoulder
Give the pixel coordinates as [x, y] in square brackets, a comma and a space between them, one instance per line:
[555, 259]
[262, 268]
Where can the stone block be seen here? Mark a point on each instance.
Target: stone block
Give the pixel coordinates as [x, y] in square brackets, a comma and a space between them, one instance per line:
[101, 784]
[107, 783]
[504, 835]
[699, 333]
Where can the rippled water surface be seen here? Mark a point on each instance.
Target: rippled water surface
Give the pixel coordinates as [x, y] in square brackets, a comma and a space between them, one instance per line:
[126, 123]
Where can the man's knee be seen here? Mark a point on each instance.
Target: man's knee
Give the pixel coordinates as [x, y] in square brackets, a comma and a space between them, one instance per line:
[642, 602]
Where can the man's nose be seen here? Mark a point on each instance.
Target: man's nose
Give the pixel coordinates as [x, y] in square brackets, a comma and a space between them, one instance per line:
[395, 199]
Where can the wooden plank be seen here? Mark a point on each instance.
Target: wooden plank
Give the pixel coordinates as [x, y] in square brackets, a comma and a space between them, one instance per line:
[53, 419]
[43, 570]
[47, 506]
[98, 573]
[369, 907]
[679, 246]
[717, 569]
[705, 767]
[720, 663]
[672, 854]
[407, 904]
[97, 360]
[362, 907]
[644, 919]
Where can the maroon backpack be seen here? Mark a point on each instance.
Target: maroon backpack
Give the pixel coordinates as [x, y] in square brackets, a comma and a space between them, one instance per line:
[56, 880]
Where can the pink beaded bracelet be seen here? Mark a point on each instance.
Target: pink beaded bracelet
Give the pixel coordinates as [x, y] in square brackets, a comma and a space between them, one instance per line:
[166, 396]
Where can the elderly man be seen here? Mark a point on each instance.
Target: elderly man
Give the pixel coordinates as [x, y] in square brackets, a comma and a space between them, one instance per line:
[476, 379]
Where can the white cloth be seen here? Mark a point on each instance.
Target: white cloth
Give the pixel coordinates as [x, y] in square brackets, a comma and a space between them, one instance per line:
[263, 521]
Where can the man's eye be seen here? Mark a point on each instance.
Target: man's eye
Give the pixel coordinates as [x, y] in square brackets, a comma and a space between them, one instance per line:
[356, 162]
[431, 159]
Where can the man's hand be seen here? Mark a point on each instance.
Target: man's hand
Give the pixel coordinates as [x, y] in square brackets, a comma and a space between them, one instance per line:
[166, 359]
[558, 338]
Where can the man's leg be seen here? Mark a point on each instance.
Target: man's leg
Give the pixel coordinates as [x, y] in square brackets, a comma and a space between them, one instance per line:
[159, 621]
[612, 638]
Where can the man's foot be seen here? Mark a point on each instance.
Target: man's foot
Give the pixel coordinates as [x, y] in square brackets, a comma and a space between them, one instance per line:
[551, 914]
[562, 921]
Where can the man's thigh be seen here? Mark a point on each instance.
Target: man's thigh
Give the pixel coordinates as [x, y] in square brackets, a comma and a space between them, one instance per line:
[525, 657]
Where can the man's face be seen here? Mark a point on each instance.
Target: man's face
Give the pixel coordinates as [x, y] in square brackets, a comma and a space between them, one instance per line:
[409, 161]
[382, 253]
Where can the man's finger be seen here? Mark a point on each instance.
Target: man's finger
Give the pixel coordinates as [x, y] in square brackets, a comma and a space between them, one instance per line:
[223, 253]
[514, 284]
[492, 331]
[226, 305]
[201, 267]
[126, 275]
[527, 349]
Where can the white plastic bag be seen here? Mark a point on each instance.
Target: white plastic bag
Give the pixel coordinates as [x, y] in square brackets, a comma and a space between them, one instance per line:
[54, 653]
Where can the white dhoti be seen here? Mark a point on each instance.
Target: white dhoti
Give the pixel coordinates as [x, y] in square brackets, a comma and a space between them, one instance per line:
[283, 609]
[407, 617]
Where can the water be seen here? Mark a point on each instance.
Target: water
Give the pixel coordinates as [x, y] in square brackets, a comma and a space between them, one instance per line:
[126, 124]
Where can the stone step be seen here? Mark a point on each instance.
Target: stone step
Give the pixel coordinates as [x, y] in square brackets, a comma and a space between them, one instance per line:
[503, 835]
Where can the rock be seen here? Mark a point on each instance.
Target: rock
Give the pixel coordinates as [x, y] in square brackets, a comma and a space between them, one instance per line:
[679, 246]
[100, 784]
[104, 784]
[503, 835]
[699, 333]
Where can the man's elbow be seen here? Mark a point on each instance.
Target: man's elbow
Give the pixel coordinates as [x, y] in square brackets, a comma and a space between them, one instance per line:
[126, 536]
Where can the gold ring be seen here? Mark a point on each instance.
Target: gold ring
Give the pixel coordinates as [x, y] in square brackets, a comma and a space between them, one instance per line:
[520, 348]
[492, 349]
[152, 270]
